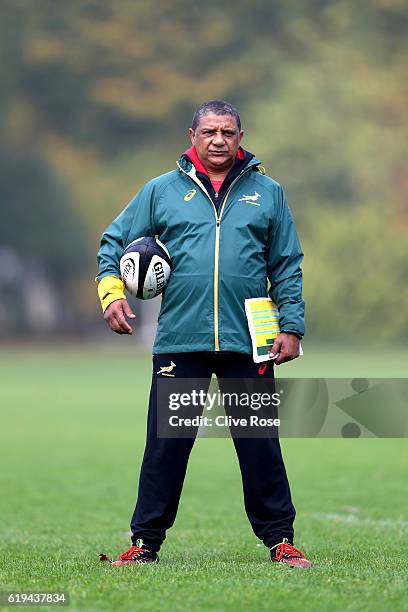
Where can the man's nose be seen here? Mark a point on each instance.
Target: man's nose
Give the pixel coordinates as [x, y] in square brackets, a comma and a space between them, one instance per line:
[218, 139]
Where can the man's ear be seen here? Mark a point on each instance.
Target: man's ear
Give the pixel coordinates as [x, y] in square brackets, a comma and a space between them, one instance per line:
[191, 134]
[241, 135]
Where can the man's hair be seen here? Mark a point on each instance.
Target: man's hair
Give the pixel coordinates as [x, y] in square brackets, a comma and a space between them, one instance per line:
[218, 107]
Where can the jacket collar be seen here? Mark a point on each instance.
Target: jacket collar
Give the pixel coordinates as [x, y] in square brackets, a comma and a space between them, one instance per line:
[199, 166]
[186, 163]
[246, 162]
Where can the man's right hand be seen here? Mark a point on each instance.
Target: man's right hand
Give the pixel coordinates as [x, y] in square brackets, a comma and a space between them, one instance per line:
[115, 316]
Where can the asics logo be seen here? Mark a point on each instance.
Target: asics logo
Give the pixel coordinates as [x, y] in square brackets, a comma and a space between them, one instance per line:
[166, 370]
[251, 199]
[190, 195]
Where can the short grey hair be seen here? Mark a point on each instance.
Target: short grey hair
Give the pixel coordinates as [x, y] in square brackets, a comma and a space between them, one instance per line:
[218, 107]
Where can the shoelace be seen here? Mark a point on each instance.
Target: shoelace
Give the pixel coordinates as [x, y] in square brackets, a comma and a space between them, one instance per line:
[134, 551]
[288, 550]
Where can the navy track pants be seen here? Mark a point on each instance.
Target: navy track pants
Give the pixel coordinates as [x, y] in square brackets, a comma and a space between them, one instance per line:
[267, 495]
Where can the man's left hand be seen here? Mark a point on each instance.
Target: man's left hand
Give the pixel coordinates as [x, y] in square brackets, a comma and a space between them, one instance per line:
[286, 346]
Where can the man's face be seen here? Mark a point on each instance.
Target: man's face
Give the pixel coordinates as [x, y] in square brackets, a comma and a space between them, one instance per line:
[216, 140]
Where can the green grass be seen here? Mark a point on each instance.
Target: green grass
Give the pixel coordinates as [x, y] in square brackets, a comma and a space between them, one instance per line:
[72, 435]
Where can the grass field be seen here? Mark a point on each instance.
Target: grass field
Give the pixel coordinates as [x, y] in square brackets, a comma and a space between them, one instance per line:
[71, 445]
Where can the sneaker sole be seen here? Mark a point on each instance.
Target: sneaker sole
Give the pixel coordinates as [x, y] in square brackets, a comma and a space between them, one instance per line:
[117, 563]
[302, 565]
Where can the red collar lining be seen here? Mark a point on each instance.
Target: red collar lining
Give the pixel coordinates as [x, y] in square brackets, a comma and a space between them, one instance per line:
[192, 154]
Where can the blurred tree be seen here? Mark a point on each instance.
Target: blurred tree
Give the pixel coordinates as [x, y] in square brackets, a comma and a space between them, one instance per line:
[99, 94]
[41, 229]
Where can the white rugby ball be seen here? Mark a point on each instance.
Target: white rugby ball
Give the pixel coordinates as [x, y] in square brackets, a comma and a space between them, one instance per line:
[145, 267]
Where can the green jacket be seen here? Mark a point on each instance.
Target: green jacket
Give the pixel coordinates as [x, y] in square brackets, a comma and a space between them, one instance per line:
[218, 259]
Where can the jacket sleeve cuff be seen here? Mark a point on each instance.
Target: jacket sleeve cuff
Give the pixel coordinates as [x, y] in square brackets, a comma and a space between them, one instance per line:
[291, 331]
[110, 289]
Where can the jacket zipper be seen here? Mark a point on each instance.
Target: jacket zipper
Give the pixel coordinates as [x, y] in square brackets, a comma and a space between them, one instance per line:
[217, 242]
[217, 258]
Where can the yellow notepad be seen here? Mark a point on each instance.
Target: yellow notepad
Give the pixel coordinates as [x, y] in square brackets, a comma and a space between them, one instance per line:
[263, 322]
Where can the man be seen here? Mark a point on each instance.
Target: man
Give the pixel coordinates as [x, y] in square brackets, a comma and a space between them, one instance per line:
[228, 229]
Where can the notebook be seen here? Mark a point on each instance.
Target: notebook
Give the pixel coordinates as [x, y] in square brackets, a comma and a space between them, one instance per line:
[263, 322]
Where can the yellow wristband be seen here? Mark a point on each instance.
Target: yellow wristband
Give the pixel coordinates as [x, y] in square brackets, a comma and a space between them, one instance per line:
[110, 288]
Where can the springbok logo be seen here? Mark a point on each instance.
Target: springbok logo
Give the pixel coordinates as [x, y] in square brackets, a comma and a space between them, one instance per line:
[190, 195]
[251, 199]
[166, 370]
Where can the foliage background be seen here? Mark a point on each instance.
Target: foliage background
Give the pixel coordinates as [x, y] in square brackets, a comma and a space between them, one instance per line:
[96, 99]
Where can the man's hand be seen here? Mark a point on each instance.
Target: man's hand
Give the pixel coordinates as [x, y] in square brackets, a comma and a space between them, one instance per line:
[286, 346]
[115, 316]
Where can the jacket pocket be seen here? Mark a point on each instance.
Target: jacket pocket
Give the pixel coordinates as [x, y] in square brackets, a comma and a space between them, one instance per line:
[187, 305]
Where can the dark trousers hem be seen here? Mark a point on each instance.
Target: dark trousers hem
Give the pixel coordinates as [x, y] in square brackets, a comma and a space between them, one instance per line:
[278, 540]
[152, 546]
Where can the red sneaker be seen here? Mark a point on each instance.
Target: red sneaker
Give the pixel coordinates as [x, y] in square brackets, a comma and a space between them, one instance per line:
[287, 553]
[136, 555]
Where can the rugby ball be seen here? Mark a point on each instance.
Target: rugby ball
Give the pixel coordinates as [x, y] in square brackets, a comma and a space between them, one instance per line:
[145, 267]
